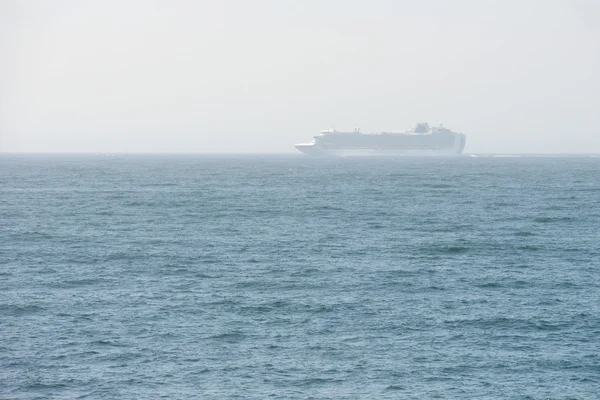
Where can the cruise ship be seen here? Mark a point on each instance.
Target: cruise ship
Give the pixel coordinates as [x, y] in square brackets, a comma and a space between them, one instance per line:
[422, 140]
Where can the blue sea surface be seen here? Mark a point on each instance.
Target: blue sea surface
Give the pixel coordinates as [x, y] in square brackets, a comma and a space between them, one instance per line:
[138, 276]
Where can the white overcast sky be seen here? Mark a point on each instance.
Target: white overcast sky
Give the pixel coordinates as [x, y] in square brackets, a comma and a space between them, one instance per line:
[261, 75]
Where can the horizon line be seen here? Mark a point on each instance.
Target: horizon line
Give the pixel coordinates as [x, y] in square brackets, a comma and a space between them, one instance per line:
[104, 153]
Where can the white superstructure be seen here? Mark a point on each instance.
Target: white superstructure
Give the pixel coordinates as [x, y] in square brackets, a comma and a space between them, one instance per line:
[422, 140]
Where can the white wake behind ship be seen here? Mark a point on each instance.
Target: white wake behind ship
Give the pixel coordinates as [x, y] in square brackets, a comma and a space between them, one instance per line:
[422, 140]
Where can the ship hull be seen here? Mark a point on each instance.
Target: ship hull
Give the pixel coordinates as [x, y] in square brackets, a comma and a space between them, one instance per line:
[315, 150]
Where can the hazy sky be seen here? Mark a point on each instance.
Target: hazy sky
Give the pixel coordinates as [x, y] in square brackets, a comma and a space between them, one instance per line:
[261, 75]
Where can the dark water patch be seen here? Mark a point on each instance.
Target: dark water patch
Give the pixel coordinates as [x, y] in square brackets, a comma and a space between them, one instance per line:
[529, 248]
[453, 249]
[519, 284]
[78, 283]
[393, 388]
[208, 260]
[586, 379]
[107, 343]
[555, 207]
[157, 185]
[223, 303]
[588, 190]
[522, 266]
[382, 213]
[202, 275]
[173, 270]
[512, 218]
[402, 273]
[375, 226]
[439, 227]
[327, 208]
[509, 324]
[263, 308]
[437, 185]
[547, 220]
[31, 236]
[489, 285]
[306, 272]
[105, 213]
[501, 204]
[228, 337]
[253, 284]
[38, 386]
[139, 204]
[120, 256]
[119, 195]
[524, 234]
[14, 310]
[549, 301]
[566, 285]
[311, 382]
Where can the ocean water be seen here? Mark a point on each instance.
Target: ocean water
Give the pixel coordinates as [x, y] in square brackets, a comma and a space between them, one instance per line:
[285, 277]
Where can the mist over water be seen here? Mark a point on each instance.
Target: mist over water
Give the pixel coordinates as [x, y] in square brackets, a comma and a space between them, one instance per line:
[288, 277]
